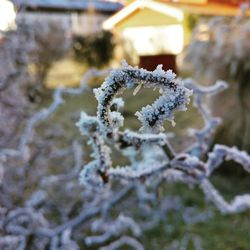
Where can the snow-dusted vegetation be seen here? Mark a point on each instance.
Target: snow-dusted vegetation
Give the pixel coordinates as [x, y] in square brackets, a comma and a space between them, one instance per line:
[93, 203]
[220, 49]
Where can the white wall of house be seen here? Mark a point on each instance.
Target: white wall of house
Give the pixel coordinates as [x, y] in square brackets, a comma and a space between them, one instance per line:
[156, 40]
[7, 15]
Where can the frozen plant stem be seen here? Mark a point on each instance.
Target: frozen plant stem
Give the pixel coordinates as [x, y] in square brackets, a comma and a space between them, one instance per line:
[158, 159]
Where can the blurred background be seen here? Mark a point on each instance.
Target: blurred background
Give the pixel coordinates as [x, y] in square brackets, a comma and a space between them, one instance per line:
[46, 44]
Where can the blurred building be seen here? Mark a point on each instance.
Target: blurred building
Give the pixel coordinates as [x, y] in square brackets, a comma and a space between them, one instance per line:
[82, 17]
[7, 15]
[157, 31]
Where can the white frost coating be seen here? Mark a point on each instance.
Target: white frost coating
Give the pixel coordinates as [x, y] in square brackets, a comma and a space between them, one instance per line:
[67, 242]
[201, 90]
[186, 161]
[186, 241]
[142, 171]
[37, 198]
[173, 92]
[153, 116]
[88, 124]
[221, 153]
[204, 135]
[118, 102]
[143, 139]
[93, 174]
[174, 175]
[117, 119]
[111, 229]
[11, 242]
[89, 176]
[125, 240]
[238, 204]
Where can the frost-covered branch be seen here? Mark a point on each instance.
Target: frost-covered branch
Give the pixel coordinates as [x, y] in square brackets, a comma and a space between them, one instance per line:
[112, 229]
[156, 162]
[223, 153]
[174, 96]
[125, 240]
[240, 203]
[204, 135]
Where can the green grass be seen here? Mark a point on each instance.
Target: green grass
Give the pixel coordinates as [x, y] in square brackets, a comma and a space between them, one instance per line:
[230, 232]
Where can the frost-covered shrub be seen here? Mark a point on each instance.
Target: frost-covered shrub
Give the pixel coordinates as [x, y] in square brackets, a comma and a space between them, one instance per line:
[52, 41]
[220, 49]
[14, 78]
[37, 44]
[99, 205]
[158, 160]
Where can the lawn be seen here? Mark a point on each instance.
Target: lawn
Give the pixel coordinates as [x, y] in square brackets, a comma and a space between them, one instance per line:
[67, 72]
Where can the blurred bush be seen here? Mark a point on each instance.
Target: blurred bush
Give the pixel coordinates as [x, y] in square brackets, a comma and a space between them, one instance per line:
[26, 55]
[51, 43]
[14, 78]
[47, 42]
[220, 49]
[95, 50]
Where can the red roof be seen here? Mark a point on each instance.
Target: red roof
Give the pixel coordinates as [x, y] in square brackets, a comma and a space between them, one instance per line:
[228, 2]
[209, 7]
